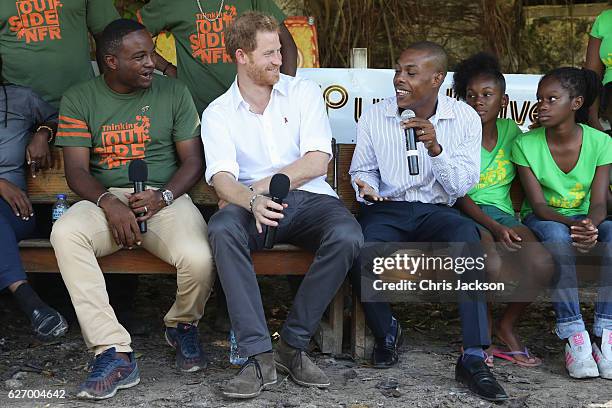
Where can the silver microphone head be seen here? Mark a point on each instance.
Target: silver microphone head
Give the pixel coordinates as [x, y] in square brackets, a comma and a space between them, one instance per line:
[407, 114]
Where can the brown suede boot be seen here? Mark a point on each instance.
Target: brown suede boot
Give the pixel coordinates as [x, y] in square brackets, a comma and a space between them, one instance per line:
[257, 373]
[299, 367]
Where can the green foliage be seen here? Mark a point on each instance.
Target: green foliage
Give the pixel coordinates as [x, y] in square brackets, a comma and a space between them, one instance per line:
[549, 43]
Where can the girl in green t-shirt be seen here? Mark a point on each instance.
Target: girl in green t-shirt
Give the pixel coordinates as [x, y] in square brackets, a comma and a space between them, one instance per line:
[480, 83]
[564, 168]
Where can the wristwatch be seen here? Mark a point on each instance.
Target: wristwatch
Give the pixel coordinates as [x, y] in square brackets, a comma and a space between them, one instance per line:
[167, 196]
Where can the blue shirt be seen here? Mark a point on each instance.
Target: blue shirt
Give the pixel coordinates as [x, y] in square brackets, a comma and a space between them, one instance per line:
[25, 110]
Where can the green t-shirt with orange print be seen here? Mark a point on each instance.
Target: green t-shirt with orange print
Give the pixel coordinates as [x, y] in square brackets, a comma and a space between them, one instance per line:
[202, 62]
[119, 128]
[567, 193]
[44, 44]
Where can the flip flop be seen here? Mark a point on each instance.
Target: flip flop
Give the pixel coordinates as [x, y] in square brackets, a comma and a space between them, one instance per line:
[509, 356]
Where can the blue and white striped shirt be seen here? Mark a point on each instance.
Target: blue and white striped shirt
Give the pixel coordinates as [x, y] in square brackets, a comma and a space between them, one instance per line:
[380, 154]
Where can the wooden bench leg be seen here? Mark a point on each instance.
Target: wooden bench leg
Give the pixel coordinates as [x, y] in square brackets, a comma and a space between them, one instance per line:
[330, 332]
[362, 340]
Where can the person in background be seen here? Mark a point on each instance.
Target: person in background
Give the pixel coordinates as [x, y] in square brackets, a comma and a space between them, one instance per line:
[479, 82]
[599, 60]
[200, 28]
[564, 168]
[45, 44]
[22, 110]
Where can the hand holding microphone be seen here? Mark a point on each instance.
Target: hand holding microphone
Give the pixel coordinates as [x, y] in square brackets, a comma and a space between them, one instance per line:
[411, 148]
[423, 131]
[268, 210]
[140, 203]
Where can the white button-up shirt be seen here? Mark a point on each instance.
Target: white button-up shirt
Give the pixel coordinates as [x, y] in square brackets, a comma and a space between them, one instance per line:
[253, 146]
[380, 155]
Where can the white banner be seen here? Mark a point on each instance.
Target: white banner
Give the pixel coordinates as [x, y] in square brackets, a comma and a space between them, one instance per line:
[349, 92]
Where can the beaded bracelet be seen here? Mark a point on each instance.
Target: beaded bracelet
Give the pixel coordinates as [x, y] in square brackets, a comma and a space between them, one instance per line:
[50, 132]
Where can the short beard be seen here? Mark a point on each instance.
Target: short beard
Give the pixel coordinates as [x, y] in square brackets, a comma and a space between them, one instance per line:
[258, 75]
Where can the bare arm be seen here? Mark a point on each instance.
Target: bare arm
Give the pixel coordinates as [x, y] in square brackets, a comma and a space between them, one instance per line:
[300, 172]
[534, 194]
[507, 236]
[147, 203]
[599, 194]
[80, 180]
[120, 217]
[164, 66]
[593, 62]
[289, 52]
[191, 168]
[265, 211]
[230, 190]
[470, 208]
[38, 151]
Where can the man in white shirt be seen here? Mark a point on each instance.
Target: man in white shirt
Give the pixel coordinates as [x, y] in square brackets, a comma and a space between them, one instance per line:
[269, 123]
[400, 207]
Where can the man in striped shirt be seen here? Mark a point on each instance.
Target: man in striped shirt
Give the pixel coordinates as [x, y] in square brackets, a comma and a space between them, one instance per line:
[399, 207]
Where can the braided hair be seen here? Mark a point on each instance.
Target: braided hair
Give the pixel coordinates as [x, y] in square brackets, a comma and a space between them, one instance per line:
[578, 82]
[476, 65]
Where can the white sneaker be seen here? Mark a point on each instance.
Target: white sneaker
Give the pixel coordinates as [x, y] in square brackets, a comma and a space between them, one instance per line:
[578, 356]
[603, 356]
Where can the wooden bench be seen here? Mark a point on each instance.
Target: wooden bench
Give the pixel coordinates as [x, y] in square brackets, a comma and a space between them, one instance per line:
[38, 256]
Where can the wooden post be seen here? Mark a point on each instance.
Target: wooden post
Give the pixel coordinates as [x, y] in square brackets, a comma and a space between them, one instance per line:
[359, 58]
[330, 333]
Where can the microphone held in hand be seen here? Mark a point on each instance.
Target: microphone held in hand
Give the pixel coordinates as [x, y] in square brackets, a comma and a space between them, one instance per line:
[279, 188]
[411, 148]
[138, 174]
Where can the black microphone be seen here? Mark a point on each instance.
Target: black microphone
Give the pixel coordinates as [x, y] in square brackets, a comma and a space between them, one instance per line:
[279, 188]
[138, 174]
[411, 149]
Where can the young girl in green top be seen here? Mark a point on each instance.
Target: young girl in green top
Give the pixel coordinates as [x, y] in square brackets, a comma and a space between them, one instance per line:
[480, 83]
[564, 168]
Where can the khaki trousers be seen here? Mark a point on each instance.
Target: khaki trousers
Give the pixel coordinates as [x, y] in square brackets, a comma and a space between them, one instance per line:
[177, 234]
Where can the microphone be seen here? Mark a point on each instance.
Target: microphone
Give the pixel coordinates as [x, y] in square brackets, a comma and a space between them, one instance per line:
[411, 149]
[138, 174]
[279, 188]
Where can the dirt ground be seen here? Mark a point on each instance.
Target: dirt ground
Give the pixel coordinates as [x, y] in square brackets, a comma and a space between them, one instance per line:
[424, 377]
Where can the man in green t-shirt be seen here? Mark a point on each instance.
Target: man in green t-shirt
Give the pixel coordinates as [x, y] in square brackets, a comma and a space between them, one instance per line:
[199, 29]
[105, 123]
[45, 44]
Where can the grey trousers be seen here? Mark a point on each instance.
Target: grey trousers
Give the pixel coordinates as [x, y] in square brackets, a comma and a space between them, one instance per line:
[316, 222]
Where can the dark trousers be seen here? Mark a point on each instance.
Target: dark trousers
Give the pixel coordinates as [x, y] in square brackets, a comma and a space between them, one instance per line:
[400, 221]
[315, 222]
[12, 230]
